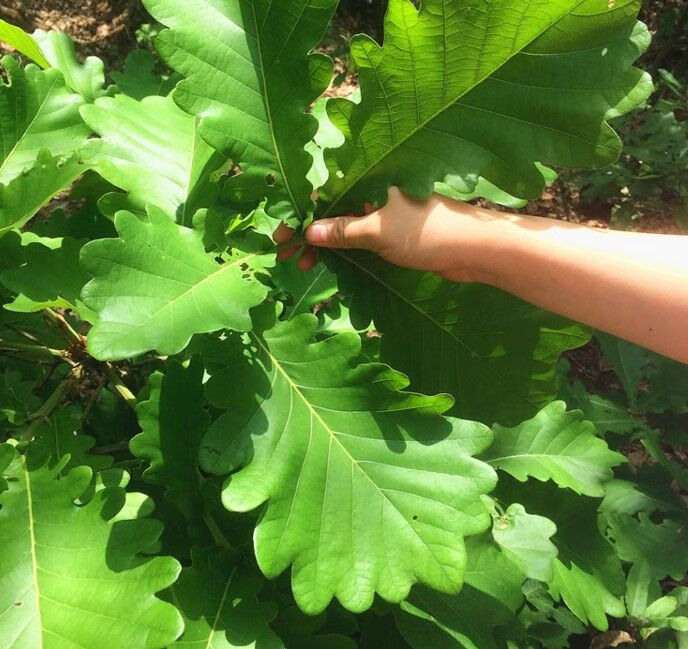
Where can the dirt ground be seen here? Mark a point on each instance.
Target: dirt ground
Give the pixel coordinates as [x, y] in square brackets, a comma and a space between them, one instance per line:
[105, 28]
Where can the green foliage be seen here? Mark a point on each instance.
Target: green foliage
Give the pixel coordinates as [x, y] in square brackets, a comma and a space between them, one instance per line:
[343, 443]
[148, 335]
[67, 569]
[652, 175]
[180, 290]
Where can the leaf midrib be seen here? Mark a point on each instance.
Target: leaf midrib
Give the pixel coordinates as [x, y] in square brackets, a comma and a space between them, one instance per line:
[268, 110]
[189, 291]
[440, 111]
[34, 559]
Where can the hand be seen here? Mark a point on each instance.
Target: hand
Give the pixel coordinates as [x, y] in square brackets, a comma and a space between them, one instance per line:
[437, 235]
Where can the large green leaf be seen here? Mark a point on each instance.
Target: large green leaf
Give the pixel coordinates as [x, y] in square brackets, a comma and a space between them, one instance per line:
[250, 79]
[153, 151]
[173, 421]
[555, 445]
[73, 575]
[219, 606]
[37, 112]
[155, 287]
[494, 353]
[368, 489]
[485, 89]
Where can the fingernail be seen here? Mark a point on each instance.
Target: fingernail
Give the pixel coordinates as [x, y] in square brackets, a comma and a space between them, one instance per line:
[318, 233]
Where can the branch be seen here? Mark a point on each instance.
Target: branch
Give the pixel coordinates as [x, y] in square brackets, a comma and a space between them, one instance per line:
[62, 323]
[54, 400]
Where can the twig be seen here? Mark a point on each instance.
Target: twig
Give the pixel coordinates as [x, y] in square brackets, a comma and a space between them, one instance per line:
[216, 532]
[112, 448]
[61, 322]
[119, 388]
[54, 400]
[33, 349]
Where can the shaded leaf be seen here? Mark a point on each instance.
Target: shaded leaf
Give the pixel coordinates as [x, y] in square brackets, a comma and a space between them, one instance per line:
[218, 603]
[60, 435]
[664, 546]
[139, 79]
[47, 279]
[494, 353]
[173, 421]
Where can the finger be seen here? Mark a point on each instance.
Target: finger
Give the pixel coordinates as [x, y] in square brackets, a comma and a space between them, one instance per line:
[345, 232]
[283, 234]
[307, 260]
[287, 253]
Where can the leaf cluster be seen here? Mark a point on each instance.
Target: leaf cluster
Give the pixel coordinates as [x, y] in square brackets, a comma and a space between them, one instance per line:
[203, 447]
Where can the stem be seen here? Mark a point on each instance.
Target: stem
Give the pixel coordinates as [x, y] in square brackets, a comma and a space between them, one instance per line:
[113, 448]
[32, 349]
[61, 322]
[216, 532]
[119, 388]
[53, 401]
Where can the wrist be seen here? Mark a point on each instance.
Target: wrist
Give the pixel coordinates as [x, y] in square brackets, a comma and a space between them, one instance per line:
[488, 242]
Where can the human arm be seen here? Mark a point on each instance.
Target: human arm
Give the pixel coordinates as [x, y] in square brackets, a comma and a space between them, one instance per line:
[631, 285]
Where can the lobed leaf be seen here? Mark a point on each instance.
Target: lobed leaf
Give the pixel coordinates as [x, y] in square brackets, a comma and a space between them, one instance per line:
[74, 575]
[505, 84]
[173, 421]
[48, 278]
[555, 445]
[37, 112]
[495, 354]
[525, 539]
[86, 79]
[155, 287]
[219, 604]
[250, 79]
[367, 488]
[153, 151]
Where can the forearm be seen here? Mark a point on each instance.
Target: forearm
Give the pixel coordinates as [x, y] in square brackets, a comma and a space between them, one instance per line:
[632, 285]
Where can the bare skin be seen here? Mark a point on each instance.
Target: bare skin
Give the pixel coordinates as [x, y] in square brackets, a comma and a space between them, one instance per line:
[632, 285]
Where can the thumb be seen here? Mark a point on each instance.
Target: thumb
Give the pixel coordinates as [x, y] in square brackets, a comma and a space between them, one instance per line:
[343, 232]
